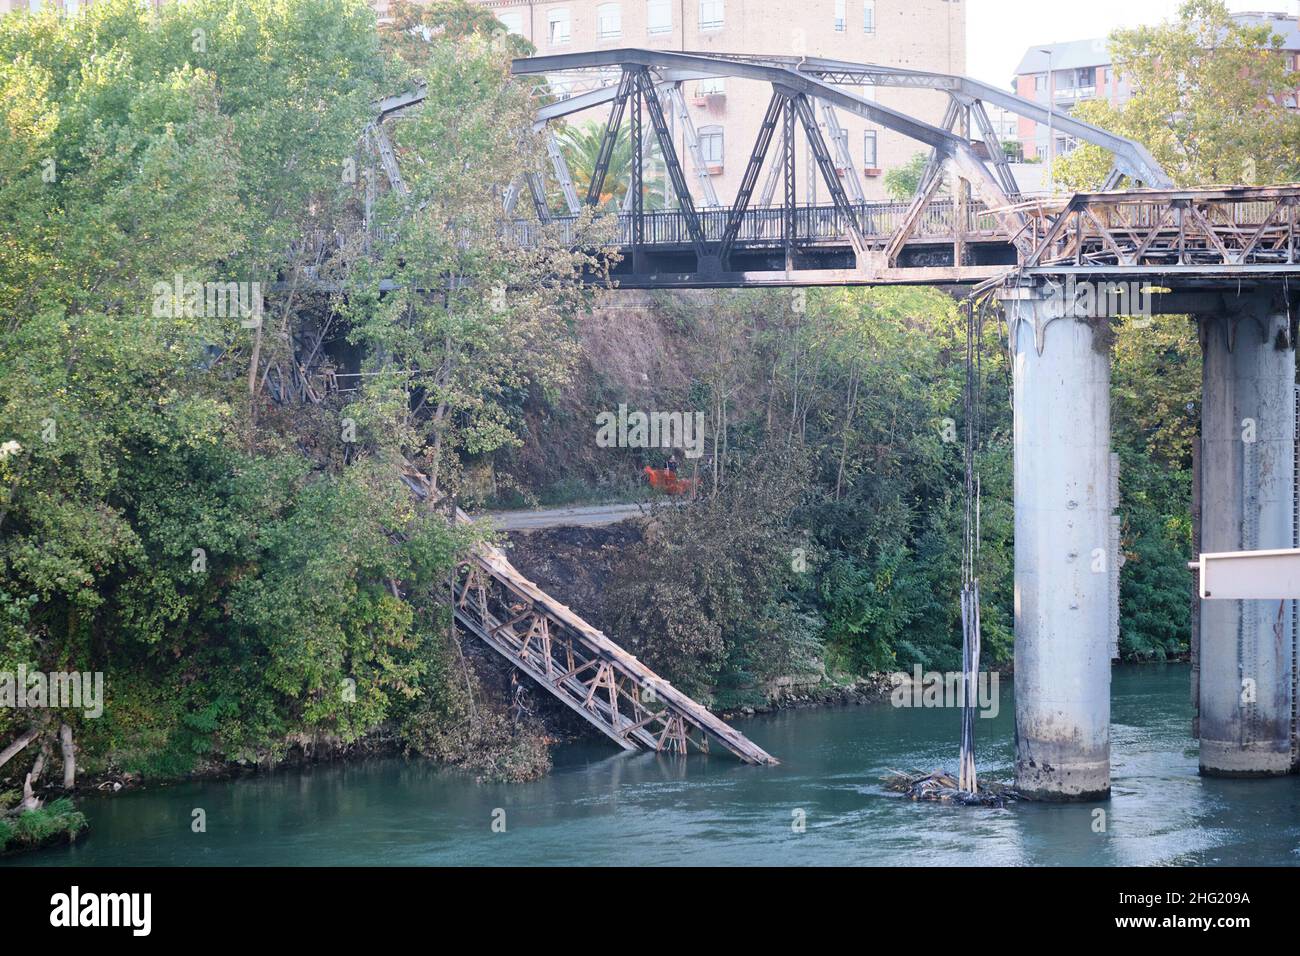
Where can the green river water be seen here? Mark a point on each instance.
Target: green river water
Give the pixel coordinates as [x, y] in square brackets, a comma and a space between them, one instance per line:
[602, 807]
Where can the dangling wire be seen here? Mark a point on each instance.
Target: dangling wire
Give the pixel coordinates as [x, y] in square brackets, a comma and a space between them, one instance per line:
[970, 585]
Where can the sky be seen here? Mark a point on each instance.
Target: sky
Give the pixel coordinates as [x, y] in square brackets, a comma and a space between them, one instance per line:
[998, 32]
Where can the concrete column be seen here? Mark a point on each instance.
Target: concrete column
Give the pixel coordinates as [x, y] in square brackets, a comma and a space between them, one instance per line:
[1247, 484]
[1063, 592]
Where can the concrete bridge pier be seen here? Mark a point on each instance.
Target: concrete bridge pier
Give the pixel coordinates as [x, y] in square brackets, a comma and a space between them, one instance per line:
[1247, 467]
[1064, 597]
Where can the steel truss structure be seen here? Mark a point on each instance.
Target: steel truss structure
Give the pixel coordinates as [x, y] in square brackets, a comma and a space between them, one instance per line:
[613, 691]
[983, 231]
[575, 662]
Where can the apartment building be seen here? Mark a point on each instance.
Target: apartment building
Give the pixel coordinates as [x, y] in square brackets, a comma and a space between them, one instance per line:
[921, 34]
[1067, 74]
[69, 7]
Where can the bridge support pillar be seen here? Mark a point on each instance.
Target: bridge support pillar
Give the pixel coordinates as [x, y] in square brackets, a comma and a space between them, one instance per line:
[1064, 598]
[1247, 466]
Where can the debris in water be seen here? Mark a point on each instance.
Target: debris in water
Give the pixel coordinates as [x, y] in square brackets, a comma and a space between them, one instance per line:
[943, 788]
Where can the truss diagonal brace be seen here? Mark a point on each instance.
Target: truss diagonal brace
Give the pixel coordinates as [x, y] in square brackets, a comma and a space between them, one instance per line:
[803, 108]
[610, 138]
[674, 96]
[775, 107]
[561, 168]
[675, 175]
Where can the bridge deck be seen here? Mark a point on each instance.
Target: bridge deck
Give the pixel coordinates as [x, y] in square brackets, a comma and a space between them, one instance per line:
[1215, 235]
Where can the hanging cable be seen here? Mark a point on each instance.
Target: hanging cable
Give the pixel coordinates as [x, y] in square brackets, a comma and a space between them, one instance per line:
[970, 586]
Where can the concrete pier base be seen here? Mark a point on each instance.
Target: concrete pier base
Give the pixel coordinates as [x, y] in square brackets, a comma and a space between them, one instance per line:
[1063, 591]
[1247, 464]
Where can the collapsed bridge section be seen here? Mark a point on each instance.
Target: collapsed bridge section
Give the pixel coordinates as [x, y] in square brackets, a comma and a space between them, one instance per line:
[612, 690]
[586, 671]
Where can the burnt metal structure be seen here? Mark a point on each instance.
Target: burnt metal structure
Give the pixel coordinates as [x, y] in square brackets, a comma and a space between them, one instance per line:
[985, 233]
[575, 662]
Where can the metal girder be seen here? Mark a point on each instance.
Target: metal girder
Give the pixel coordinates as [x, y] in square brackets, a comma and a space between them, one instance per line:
[803, 108]
[775, 107]
[934, 165]
[842, 148]
[538, 191]
[562, 173]
[636, 184]
[392, 105]
[789, 224]
[1132, 157]
[388, 159]
[797, 81]
[669, 151]
[769, 184]
[674, 95]
[582, 668]
[1001, 166]
[960, 151]
[610, 138]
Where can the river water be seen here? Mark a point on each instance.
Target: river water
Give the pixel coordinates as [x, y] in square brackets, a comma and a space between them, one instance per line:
[599, 807]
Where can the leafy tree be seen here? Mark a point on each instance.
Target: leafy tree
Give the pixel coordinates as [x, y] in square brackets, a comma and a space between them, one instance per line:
[1209, 101]
[901, 182]
[172, 512]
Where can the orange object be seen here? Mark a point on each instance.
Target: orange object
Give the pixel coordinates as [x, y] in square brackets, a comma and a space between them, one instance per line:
[667, 482]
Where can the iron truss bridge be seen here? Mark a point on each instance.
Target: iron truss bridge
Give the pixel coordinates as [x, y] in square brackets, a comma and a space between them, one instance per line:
[984, 232]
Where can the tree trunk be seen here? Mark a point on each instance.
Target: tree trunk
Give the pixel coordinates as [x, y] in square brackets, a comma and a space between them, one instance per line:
[849, 413]
[18, 745]
[69, 757]
[30, 801]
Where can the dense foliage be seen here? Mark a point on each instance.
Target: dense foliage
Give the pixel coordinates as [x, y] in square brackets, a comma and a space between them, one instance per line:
[185, 506]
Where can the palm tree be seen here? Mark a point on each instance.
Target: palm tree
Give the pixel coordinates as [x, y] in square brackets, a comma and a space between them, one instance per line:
[581, 147]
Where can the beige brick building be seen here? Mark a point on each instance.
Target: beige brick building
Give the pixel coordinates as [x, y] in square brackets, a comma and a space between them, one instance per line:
[920, 34]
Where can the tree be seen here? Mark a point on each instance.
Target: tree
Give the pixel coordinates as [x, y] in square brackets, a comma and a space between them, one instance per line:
[1209, 101]
[581, 146]
[901, 182]
[474, 319]
[175, 513]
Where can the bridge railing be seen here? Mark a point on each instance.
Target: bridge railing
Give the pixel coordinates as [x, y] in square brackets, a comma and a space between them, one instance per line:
[765, 224]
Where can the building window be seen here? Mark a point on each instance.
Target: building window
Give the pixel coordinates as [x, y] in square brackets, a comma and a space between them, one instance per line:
[711, 14]
[33, 6]
[609, 21]
[868, 16]
[1040, 82]
[711, 145]
[70, 7]
[869, 157]
[712, 86]
[558, 22]
[659, 16]
[513, 22]
[840, 16]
